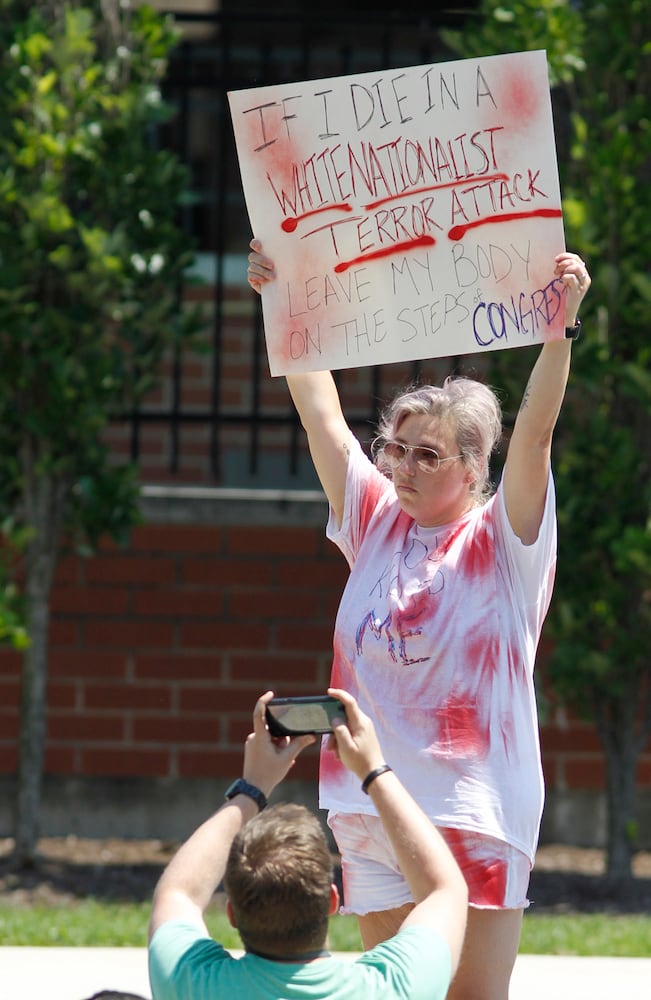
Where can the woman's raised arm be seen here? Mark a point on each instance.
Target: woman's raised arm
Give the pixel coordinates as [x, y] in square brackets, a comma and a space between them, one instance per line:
[317, 401]
[526, 471]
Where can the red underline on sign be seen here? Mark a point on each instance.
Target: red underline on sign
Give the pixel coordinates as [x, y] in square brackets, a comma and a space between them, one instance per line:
[421, 241]
[458, 232]
[291, 222]
[433, 187]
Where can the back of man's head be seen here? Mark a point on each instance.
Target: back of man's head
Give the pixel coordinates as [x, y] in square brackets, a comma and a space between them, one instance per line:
[115, 995]
[278, 879]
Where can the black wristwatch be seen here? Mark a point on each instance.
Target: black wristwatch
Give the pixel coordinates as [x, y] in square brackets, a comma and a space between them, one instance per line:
[572, 332]
[242, 787]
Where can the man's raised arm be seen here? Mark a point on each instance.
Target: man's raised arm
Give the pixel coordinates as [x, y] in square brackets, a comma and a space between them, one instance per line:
[439, 889]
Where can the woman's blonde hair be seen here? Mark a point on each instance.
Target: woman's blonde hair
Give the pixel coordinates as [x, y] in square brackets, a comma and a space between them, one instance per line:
[472, 410]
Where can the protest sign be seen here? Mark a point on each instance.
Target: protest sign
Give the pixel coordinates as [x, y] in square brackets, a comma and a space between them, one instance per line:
[410, 213]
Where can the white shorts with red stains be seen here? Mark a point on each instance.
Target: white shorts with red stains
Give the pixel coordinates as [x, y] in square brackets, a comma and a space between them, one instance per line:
[497, 874]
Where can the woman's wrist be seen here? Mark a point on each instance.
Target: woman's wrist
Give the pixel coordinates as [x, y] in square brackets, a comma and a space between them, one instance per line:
[372, 775]
[573, 329]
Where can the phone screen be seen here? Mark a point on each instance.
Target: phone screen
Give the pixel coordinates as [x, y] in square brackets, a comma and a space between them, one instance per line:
[293, 716]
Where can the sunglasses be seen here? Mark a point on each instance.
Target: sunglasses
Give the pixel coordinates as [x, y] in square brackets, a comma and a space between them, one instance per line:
[426, 459]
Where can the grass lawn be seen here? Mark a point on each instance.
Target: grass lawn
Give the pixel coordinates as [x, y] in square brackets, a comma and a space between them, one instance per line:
[92, 924]
[619, 936]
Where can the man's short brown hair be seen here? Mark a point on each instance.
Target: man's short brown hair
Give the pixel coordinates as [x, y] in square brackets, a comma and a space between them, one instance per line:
[115, 995]
[278, 879]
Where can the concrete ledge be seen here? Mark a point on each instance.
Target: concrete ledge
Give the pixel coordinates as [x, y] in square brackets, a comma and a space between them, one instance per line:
[170, 808]
[579, 817]
[135, 808]
[214, 505]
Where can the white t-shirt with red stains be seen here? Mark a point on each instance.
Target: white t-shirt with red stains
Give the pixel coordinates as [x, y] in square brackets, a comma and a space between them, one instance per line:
[436, 637]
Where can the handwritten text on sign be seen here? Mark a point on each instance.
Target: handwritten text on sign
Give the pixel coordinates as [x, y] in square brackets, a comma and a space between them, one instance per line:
[412, 213]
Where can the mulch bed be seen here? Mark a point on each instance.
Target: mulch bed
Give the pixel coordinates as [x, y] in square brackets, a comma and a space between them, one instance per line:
[565, 879]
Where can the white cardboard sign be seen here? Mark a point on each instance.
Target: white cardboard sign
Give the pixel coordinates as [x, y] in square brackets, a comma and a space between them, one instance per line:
[410, 213]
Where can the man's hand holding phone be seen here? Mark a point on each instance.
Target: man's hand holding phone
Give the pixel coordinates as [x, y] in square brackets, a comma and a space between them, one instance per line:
[354, 740]
[283, 727]
[266, 759]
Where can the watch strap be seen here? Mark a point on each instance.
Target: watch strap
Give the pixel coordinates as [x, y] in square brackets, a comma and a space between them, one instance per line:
[572, 332]
[242, 787]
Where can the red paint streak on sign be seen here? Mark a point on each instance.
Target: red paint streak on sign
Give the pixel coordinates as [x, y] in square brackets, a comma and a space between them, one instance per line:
[421, 241]
[432, 187]
[518, 96]
[291, 222]
[458, 232]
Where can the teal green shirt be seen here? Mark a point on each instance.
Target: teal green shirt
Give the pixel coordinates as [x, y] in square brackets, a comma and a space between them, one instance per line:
[184, 964]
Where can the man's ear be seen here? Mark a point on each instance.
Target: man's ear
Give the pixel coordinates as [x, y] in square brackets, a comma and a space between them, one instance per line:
[229, 914]
[334, 899]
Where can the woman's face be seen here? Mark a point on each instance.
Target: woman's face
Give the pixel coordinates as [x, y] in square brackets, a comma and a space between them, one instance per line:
[432, 498]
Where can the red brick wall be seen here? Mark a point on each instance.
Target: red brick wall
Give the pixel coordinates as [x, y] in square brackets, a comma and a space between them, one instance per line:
[239, 374]
[158, 652]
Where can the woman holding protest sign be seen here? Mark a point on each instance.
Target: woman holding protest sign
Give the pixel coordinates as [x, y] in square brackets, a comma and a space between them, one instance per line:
[437, 630]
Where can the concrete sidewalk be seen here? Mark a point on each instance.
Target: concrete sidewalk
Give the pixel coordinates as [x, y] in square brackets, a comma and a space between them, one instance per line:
[78, 973]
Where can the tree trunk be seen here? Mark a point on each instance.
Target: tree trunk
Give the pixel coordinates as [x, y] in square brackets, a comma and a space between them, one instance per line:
[617, 729]
[44, 500]
[32, 716]
[621, 811]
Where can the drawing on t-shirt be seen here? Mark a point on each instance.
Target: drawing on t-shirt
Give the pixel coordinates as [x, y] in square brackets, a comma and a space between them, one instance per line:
[399, 624]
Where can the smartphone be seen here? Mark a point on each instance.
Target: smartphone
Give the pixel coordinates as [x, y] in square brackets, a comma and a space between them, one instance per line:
[309, 714]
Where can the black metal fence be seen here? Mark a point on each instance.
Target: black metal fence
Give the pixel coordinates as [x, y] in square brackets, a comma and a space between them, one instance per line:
[230, 50]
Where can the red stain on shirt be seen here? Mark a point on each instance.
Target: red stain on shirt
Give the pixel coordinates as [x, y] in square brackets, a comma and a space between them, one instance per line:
[374, 489]
[483, 656]
[342, 674]
[514, 660]
[461, 730]
[330, 767]
[478, 559]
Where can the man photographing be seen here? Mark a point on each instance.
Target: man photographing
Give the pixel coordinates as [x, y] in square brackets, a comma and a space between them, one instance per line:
[277, 872]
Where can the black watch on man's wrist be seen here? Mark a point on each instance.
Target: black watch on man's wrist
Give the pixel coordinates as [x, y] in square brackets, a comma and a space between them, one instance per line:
[242, 787]
[572, 332]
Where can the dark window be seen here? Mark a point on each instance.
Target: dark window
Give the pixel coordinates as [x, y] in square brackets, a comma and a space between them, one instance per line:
[220, 418]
